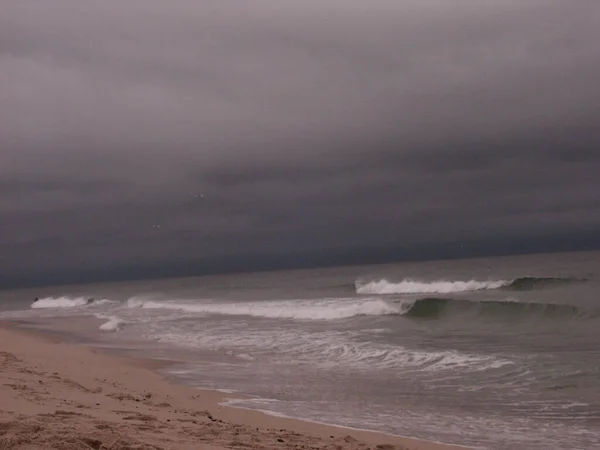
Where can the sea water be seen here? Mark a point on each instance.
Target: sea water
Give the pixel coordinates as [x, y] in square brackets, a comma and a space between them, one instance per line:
[499, 353]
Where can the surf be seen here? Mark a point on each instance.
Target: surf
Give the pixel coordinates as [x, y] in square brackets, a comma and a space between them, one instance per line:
[410, 286]
[318, 309]
[66, 302]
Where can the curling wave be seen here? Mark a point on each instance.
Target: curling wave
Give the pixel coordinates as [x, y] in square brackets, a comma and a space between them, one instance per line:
[527, 283]
[433, 308]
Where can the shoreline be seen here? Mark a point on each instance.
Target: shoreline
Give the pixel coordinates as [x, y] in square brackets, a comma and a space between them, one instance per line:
[68, 391]
[444, 446]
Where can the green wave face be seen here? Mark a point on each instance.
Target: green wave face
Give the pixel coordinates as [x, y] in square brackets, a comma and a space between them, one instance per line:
[529, 283]
[436, 308]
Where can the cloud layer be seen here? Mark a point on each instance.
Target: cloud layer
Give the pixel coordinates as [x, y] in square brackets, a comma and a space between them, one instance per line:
[243, 134]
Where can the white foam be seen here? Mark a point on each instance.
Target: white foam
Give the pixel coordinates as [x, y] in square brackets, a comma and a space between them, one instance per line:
[382, 356]
[60, 302]
[102, 301]
[113, 324]
[322, 309]
[377, 330]
[328, 349]
[408, 286]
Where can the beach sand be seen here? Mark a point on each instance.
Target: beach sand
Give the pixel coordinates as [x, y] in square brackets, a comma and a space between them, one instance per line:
[54, 395]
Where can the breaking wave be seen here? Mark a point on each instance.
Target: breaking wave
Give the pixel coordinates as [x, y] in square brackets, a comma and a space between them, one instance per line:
[325, 309]
[433, 308]
[344, 308]
[419, 287]
[408, 286]
[66, 302]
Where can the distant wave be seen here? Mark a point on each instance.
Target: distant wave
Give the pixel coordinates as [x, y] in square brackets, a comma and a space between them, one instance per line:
[407, 286]
[322, 309]
[433, 308]
[421, 287]
[375, 305]
[66, 302]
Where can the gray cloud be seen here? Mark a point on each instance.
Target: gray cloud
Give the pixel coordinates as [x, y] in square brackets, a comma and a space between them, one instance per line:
[317, 128]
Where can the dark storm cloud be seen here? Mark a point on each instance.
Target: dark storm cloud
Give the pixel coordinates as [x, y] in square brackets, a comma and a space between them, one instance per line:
[185, 136]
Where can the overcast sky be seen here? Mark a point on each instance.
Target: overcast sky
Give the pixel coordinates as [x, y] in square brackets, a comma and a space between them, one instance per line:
[148, 137]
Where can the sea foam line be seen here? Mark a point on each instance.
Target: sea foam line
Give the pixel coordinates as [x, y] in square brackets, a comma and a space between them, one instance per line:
[325, 349]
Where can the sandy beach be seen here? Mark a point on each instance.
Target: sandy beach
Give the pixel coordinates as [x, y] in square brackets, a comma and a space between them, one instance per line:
[55, 395]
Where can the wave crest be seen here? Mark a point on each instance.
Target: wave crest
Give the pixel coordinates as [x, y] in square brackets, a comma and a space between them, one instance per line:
[326, 309]
[66, 302]
[408, 286]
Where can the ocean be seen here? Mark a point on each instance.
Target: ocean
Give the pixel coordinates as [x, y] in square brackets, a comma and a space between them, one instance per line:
[498, 353]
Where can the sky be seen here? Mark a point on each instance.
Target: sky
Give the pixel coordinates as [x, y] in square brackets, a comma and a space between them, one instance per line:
[146, 138]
